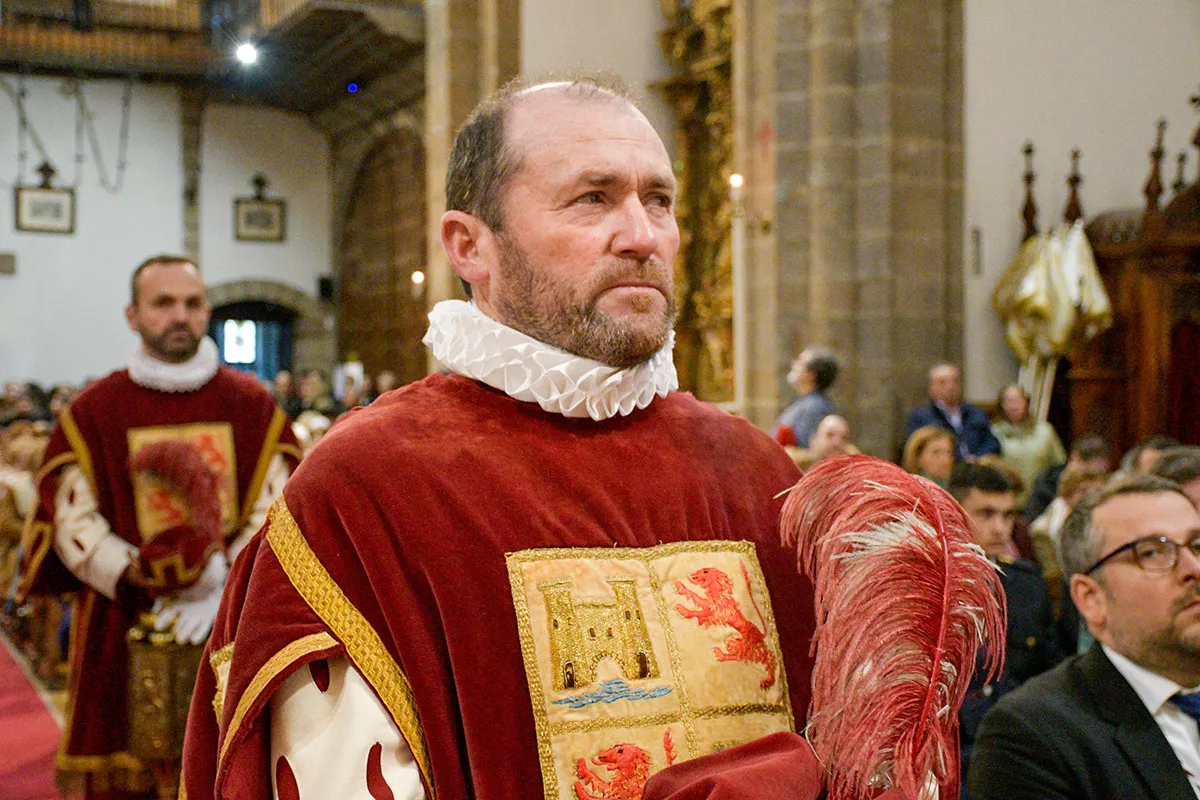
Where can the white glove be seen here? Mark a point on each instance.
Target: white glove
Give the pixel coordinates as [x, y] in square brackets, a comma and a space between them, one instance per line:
[193, 609]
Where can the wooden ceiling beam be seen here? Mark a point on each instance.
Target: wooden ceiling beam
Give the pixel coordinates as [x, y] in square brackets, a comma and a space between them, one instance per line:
[107, 51]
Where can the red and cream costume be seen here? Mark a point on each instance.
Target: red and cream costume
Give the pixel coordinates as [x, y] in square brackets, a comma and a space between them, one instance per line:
[539, 577]
[94, 513]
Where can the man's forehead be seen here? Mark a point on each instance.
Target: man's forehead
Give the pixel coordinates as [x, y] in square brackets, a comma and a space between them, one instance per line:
[981, 499]
[1142, 513]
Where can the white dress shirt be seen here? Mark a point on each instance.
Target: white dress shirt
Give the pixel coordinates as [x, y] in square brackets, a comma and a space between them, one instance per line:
[1156, 692]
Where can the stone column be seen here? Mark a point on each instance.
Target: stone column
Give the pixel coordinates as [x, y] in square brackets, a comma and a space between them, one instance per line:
[191, 128]
[869, 199]
[471, 47]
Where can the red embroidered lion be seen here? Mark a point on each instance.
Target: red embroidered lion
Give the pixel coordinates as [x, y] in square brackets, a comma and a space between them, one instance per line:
[718, 607]
[629, 769]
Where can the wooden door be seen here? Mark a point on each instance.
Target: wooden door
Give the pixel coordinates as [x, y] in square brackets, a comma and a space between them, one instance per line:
[382, 314]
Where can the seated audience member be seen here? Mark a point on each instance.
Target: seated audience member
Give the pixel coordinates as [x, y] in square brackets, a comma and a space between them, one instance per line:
[831, 439]
[1140, 458]
[1090, 451]
[988, 497]
[972, 431]
[1181, 465]
[1030, 444]
[929, 452]
[1020, 533]
[1076, 482]
[284, 390]
[315, 395]
[351, 393]
[1112, 722]
[60, 397]
[812, 374]
[385, 381]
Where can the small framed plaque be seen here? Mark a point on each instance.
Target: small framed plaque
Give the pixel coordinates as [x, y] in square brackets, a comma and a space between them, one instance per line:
[43, 210]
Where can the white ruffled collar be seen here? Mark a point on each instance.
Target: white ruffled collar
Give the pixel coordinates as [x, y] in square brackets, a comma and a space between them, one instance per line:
[189, 376]
[473, 344]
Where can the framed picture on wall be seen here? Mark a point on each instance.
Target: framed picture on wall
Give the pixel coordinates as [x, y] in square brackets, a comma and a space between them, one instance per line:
[45, 210]
[259, 220]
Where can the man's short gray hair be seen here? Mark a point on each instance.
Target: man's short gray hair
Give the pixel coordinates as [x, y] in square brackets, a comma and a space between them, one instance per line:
[482, 161]
[1079, 542]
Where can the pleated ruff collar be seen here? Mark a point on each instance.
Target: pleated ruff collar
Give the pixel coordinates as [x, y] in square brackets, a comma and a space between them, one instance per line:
[473, 344]
[186, 377]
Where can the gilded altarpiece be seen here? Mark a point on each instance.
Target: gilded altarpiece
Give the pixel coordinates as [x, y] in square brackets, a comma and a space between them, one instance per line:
[699, 46]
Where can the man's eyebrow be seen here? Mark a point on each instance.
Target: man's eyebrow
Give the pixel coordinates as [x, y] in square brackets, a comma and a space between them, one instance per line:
[603, 180]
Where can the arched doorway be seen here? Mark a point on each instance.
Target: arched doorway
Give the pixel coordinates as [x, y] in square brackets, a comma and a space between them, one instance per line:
[382, 311]
[254, 336]
[309, 340]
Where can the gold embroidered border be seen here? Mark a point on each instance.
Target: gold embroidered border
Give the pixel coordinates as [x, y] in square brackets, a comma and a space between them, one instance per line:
[267, 673]
[713, 712]
[260, 468]
[112, 761]
[218, 659]
[686, 714]
[37, 535]
[361, 641]
[81, 619]
[78, 445]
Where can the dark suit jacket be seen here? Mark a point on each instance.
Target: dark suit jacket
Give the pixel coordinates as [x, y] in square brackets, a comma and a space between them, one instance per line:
[1078, 731]
[974, 438]
[1031, 647]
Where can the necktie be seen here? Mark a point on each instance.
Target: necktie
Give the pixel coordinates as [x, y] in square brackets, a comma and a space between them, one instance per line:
[1188, 704]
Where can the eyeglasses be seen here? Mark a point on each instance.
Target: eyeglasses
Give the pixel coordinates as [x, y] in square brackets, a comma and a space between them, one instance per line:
[1153, 553]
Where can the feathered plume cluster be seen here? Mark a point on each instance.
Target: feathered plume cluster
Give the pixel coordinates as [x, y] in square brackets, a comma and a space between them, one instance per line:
[904, 602]
[181, 465]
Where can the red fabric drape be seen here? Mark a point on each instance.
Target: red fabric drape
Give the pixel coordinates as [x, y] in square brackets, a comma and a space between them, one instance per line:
[1183, 383]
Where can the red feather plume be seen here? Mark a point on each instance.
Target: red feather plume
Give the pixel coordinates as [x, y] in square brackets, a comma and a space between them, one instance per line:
[180, 464]
[904, 602]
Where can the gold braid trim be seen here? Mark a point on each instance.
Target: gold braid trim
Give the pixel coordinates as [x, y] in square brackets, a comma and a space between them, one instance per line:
[362, 642]
[79, 446]
[218, 659]
[38, 535]
[267, 673]
[260, 469]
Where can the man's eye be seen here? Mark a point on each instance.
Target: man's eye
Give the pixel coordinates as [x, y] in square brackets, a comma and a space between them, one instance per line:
[660, 200]
[590, 197]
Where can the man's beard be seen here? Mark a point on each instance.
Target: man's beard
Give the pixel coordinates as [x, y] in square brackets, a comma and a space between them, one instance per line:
[164, 348]
[541, 307]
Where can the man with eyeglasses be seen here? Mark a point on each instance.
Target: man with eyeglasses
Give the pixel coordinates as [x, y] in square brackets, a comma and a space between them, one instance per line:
[988, 497]
[1119, 720]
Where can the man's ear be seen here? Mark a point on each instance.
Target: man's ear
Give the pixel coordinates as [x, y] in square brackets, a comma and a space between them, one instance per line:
[131, 317]
[1092, 601]
[471, 248]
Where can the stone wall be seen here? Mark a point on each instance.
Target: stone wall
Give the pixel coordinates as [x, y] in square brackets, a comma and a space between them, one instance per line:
[869, 198]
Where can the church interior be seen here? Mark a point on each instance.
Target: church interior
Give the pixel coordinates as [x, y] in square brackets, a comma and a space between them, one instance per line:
[859, 175]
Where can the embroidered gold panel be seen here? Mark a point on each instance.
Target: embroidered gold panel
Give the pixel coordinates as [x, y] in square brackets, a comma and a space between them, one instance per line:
[159, 506]
[641, 658]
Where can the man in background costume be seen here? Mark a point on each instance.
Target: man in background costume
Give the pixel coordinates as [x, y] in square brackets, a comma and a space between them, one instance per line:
[546, 574]
[153, 481]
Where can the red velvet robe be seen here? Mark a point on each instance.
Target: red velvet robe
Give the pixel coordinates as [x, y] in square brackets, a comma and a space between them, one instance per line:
[406, 540]
[95, 434]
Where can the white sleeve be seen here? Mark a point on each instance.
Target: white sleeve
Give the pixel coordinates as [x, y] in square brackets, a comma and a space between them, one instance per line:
[272, 487]
[82, 538]
[328, 739]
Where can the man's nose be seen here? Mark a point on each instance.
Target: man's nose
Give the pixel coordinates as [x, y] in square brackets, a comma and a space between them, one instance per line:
[636, 235]
[1189, 563]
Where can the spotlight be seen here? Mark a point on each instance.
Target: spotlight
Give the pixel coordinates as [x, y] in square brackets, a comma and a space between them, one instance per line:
[247, 53]
[418, 277]
[736, 180]
[351, 87]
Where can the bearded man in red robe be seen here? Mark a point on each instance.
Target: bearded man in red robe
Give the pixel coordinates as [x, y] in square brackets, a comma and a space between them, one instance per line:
[545, 574]
[154, 480]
